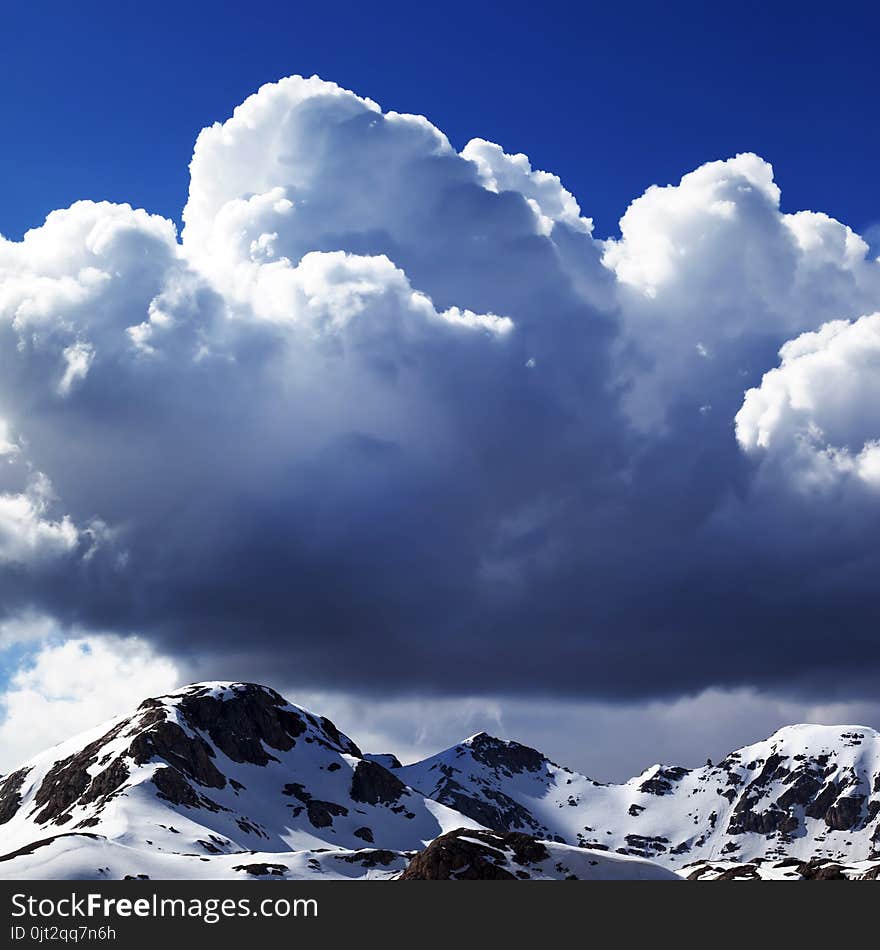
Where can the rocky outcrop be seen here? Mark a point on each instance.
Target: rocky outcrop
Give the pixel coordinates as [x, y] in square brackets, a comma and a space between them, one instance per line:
[464, 855]
[511, 756]
[821, 871]
[69, 778]
[373, 784]
[190, 755]
[239, 728]
[663, 780]
[845, 813]
[494, 810]
[10, 794]
[263, 870]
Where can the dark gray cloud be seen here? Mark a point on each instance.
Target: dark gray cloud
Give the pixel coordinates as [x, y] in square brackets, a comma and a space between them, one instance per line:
[390, 417]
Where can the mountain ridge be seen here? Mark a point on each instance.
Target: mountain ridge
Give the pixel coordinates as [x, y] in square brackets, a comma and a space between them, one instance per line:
[226, 779]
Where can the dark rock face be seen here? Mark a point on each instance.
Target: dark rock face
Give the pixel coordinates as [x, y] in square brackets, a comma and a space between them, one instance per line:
[374, 785]
[240, 726]
[823, 801]
[501, 813]
[296, 790]
[10, 794]
[475, 856]
[820, 871]
[510, 756]
[746, 819]
[661, 783]
[364, 833]
[190, 755]
[262, 870]
[745, 872]
[801, 792]
[644, 847]
[321, 814]
[336, 737]
[68, 779]
[845, 813]
[174, 788]
[371, 859]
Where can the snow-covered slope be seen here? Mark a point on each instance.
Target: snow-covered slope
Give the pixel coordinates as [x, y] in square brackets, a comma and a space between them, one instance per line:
[226, 780]
[809, 792]
[212, 770]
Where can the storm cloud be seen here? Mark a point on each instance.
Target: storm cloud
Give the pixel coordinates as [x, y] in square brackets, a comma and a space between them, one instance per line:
[388, 416]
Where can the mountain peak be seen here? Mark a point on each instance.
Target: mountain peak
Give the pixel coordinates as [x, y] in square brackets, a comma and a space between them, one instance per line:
[505, 753]
[218, 768]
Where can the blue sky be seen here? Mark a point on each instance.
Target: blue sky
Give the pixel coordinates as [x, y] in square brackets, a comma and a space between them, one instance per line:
[389, 424]
[103, 100]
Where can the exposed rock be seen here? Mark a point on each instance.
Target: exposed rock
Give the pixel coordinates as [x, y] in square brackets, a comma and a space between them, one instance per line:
[373, 784]
[746, 819]
[818, 870]
[500, 813]
[371, 859]
[68, 779]
[661, 782]
[743, 872]
[644, 847]
[801, 791]
[337, 738]
[106, 784]
[173, 787]
[512, 756]
[262, 870]
[364, 833]
[845, 813]
[10, 794]
[474, 856]
[239, 727]
[191, 755]
[823, 801]
[321, 814]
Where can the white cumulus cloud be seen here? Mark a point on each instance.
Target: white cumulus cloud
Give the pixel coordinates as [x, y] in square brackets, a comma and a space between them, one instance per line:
[817, 411]
[392, 407]
[67, 687]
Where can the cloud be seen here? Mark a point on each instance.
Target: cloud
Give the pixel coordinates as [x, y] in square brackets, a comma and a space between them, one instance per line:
[64, 688]
[815, 414]
[390, 416]
[712, 276]
[27, 535]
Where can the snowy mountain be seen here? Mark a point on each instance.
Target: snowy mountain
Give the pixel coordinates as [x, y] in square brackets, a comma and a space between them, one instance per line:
[208, 780]
[807, 792]
[229, 780]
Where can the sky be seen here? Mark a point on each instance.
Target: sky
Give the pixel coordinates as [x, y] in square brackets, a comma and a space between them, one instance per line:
[521, 373]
